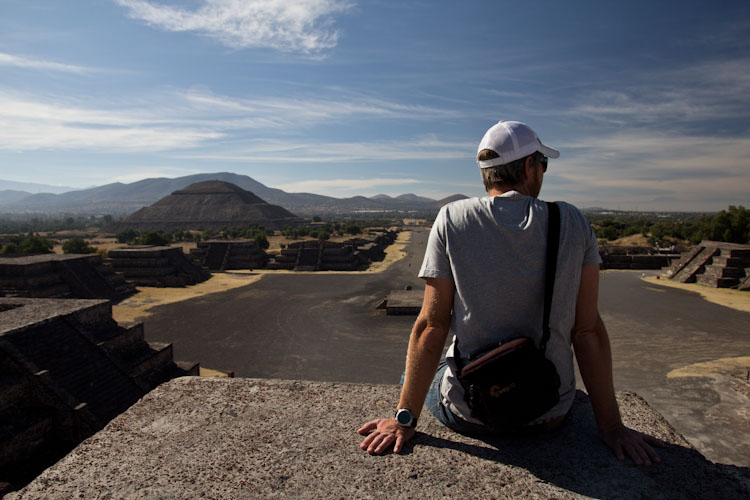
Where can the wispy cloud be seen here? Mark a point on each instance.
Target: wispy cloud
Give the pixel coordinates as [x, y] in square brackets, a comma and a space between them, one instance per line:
[346, 185]
[634, 169]
[300, 26]
[703, 91]
[30, 124]
[301, 151]
[183, 120]
[39, 64]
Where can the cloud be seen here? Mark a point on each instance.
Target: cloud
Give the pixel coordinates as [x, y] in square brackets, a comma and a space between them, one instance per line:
[38, 64]
[708, 90]
[31, 124]
[184, 120]
[337, 185]
[640, 169]
[300, 151]
[291, 26]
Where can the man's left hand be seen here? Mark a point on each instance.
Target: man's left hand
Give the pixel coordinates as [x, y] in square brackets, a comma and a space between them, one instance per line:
[637, 445]
[384, 433]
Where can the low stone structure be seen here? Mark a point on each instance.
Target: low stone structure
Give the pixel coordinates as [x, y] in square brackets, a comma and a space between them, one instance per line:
[156, 266]
[66, 369]
[402, 302]
[250, 438]
[616, 257]
[713, 263]
[62, 276]
[318, 256]
[220, 255]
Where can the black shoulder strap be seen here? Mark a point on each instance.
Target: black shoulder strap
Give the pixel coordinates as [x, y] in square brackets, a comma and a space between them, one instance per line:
[553, 242]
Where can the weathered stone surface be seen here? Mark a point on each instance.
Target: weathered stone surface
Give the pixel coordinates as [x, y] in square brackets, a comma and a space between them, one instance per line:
[250, 438]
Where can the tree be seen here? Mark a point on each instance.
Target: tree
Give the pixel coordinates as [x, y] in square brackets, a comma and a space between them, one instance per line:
[78, 245]
[261, 240]
[151, 237]
[126, 236]
[323, 235]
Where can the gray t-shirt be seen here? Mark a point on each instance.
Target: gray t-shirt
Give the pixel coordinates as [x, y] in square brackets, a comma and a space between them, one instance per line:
[493, 248]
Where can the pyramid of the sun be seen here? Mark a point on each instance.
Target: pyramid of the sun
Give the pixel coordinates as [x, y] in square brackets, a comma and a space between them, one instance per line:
[208, 205]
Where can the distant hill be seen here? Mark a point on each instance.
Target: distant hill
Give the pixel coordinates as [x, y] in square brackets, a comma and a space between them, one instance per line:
[31, 187]
[12, 196]
[124, 199]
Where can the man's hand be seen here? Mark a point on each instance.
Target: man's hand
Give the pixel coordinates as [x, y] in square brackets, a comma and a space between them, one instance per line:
[384, 433]
[637, 445]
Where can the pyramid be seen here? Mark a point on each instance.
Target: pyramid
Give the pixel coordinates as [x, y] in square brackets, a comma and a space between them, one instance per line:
[208, 205]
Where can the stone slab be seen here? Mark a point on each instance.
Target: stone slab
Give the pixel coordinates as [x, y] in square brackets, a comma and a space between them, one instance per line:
[252, 438]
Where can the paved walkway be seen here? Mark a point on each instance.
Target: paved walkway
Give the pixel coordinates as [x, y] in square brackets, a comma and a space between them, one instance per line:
[326, 328]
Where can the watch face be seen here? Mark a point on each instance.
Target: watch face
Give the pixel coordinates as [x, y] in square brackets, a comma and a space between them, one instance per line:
[403, 417]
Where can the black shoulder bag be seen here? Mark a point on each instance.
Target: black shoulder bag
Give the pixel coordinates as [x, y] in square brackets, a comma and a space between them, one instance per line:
[510, 385]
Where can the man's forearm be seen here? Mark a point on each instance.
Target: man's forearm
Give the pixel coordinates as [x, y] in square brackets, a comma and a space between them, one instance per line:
[425, 348]
[594, 357]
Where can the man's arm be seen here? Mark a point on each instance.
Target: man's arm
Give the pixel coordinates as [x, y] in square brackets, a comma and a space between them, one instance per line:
[425, 348]
[594, 356]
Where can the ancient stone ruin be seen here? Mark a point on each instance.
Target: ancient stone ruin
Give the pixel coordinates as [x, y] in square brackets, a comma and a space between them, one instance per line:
[318, 256]
[616, 257]
[160, 266]
[66, 369]
[221, 255]
[61, 276]
[349, 255]
[208, 205]
[713, 263]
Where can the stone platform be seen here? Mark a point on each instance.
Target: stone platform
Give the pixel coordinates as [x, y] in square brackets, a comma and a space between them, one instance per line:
[252, 438]
[161, 266]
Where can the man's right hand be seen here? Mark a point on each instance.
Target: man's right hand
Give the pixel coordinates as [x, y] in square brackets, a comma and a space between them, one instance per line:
[637, 445]
[384, 433]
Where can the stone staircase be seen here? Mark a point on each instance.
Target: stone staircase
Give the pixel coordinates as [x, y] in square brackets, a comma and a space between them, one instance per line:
[66, 369]
[713, 263]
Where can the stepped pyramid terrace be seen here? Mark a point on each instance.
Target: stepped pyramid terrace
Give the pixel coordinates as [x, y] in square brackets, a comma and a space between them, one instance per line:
[715, 264]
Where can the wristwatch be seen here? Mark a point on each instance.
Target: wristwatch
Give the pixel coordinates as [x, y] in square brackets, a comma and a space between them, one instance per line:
[404, 417]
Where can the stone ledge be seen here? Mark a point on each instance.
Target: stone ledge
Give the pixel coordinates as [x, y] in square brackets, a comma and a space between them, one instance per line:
[251, 438]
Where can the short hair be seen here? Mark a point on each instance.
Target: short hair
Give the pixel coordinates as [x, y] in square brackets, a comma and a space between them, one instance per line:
[510, 174]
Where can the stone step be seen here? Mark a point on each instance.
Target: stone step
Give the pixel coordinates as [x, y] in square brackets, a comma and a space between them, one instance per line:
[124, 338]
[716, 282]
[145, 263]
[724, 272]
[39, 281]
[722, 260]
[137, 272]
[156, 357]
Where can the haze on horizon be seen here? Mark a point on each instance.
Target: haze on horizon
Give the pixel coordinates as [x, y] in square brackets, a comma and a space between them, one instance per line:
[648, 103]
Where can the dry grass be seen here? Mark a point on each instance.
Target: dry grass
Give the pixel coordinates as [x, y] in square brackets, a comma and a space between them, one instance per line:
[726, 297]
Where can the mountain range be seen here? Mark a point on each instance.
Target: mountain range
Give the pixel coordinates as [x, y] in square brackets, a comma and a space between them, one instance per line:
[122, 199]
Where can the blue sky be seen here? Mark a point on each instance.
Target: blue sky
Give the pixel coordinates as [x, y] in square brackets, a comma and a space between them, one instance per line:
[648, 102]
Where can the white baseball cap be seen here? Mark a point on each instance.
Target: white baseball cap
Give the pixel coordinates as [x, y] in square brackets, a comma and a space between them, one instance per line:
[512, 141]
